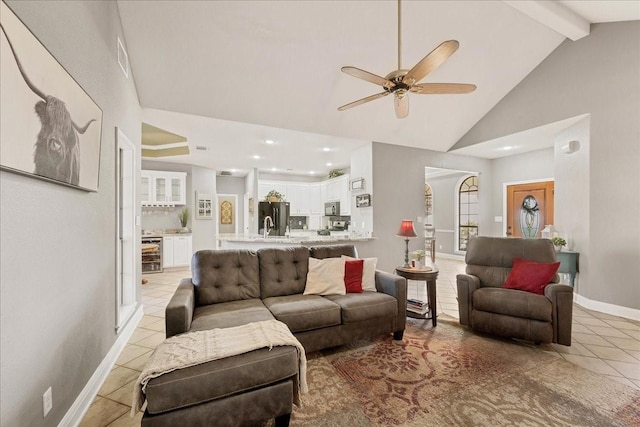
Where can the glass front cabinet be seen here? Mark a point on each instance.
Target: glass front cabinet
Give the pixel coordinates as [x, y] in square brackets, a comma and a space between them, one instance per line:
[160, 188]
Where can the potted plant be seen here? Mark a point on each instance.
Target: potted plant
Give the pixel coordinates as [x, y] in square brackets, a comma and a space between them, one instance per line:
[274, 196]
[558, 243]
[334, 173]
[418, 255]
[183, 216]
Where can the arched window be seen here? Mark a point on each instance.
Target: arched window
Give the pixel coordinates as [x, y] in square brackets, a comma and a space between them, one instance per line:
[468, 211]
[428, 204]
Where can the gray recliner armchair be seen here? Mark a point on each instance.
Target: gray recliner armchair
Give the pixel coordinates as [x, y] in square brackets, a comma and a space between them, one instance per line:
[487, 307]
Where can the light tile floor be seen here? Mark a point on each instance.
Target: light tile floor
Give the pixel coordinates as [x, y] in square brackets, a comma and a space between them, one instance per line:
[602, 343]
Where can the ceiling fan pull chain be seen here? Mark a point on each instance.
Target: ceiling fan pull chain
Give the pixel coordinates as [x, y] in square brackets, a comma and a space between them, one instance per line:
[399, 37]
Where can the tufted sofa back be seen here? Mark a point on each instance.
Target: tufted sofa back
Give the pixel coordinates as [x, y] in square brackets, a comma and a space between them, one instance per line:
[491, 258]
[333, 251]
[283, 271]
[225, 275]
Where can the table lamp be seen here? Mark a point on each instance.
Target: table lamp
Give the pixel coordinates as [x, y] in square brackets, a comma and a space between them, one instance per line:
[407, 231]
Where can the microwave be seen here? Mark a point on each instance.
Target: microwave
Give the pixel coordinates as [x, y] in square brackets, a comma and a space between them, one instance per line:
[332, 209]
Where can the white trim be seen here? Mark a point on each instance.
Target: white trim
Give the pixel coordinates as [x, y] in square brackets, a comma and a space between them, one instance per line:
[504, 198]
[604, 307]
[81, 405]
[445, 231]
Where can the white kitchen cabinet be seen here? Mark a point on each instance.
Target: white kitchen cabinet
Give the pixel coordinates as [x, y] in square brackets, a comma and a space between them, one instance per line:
[167, 251]
[315, 222]
[160, 188]
[298, 197]
[177, 251]
[337, 190]
[316, 206]
[265, 187]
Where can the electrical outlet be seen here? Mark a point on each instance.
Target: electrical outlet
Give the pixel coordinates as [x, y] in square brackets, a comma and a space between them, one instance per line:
[47, 402]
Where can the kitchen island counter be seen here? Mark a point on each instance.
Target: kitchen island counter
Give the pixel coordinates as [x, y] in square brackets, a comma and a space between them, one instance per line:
[256, 241]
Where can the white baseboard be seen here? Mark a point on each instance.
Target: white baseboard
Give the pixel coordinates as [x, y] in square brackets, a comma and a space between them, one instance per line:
[603, 307]
[80, 406]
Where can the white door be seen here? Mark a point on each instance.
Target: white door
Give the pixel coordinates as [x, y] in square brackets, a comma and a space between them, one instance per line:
[126, 254]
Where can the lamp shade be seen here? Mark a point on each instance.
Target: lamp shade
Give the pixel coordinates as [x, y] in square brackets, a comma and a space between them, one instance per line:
[406, 229]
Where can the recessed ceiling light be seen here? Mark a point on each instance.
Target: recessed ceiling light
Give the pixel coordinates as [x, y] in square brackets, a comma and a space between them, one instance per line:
[329, 164]
[269, 141]
[234, 170]
[311, 172]
[255, 156]
[273, 169]
[326, 149]
[507, 147]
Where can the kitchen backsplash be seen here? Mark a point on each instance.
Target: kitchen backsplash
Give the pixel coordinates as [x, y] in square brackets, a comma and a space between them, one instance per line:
[161, 218]
[297, 222]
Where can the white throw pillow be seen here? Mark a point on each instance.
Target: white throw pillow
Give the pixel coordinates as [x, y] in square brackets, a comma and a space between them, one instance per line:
[368, 273]
[325, 277]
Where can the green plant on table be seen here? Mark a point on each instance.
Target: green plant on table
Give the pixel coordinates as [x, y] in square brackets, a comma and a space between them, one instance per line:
[420, 254]
[559, 241]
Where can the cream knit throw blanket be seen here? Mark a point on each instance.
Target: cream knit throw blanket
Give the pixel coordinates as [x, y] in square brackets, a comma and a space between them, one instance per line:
[194, 348]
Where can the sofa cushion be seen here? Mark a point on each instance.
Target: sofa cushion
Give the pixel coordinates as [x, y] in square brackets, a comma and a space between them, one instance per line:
[283, 271]
[325, 277]
[304, 312]
[365, 306]
[219, 378]
[229, 314]
[353, 276]
[530, 276]
[512, 303]
[225, 275]
[368, 273]
[332, 251]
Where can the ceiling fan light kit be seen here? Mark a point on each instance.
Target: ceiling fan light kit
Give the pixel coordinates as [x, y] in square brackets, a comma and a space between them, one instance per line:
[400, 82]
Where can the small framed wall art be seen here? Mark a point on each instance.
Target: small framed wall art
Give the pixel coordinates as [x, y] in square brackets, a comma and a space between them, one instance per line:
[363, 200]
[204, 206]
[357, 184]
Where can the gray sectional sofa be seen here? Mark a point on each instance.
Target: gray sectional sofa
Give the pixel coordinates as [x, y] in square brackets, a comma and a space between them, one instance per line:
[234, 287]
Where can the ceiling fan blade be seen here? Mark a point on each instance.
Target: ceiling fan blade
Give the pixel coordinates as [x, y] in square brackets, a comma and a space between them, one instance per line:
[430, 62]
[442, 88]
[362, 101]
[401, 104]
[365, 75]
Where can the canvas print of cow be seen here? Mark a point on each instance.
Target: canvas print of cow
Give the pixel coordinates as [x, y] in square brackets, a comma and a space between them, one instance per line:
[49, 127]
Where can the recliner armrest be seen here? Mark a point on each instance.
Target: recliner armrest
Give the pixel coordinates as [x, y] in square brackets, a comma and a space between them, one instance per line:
[466, 285]
[179, 311]
[561, 297]
[396, 286]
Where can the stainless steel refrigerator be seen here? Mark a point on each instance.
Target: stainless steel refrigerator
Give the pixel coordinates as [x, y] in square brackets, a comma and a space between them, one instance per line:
[279, 213]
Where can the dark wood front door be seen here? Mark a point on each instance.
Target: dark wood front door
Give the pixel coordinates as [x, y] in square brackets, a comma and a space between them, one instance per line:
[529, 208]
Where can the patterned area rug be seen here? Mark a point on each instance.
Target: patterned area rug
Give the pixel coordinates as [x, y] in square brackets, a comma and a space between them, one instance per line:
[448, 376]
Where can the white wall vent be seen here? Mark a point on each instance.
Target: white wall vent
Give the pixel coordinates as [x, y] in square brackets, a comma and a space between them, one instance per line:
[225, 173]
[201, 148]
[123, 58]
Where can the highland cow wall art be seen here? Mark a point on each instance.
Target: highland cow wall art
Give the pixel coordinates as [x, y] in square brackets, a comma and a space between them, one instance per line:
[49, 127]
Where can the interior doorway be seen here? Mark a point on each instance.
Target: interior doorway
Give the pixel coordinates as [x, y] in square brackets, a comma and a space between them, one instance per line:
[125, 226]
[529, 208]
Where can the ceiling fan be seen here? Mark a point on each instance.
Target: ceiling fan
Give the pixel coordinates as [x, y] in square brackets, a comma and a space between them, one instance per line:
[400, 82]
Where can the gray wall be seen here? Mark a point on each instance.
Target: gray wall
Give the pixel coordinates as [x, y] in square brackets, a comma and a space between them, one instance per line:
[597, 75]
[57, 244]
[203, 180]
[398, 179]
[532, 166]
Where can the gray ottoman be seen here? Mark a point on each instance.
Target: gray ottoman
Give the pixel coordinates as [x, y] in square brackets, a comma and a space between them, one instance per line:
[234, 391]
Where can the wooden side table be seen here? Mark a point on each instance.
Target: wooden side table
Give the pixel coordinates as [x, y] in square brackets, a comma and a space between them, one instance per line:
[429, 275]
[568, 264]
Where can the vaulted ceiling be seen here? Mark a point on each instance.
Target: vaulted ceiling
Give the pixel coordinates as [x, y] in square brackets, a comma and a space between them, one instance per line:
[276, 64]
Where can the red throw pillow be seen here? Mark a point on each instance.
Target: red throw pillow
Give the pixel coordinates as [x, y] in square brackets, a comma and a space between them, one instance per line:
[530, 276]
[353, 276]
